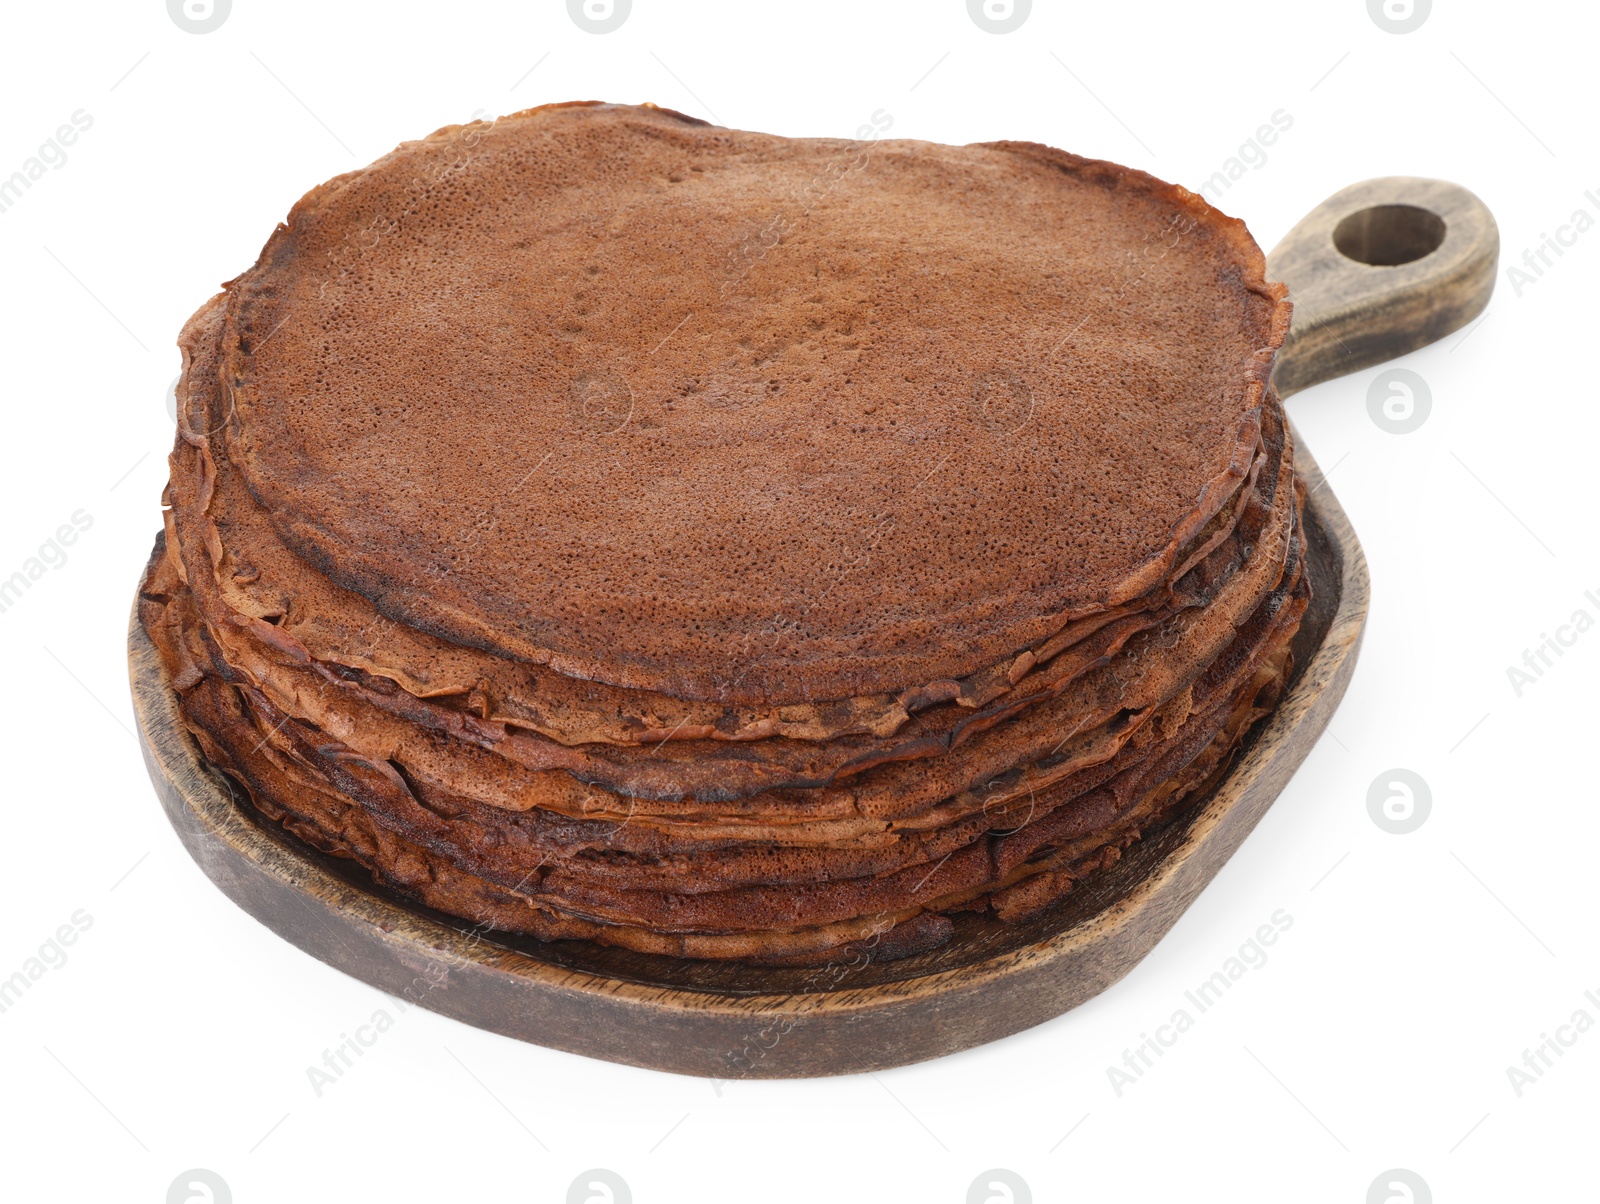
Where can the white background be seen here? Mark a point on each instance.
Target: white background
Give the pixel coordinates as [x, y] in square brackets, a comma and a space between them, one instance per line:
[1418, 967]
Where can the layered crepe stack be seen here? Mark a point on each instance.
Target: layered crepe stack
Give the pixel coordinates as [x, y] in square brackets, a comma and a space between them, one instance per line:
[606, 526]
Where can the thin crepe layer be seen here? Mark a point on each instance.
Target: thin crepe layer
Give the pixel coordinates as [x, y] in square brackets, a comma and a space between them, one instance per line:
[684, 772]
[556, 879]
[1064, 733]
[760, 506]
[344, 804]
[272, 592]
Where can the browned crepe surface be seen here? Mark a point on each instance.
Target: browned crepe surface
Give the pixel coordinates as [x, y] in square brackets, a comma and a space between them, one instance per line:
[969, 394]
[653, 694]
[1083, 684]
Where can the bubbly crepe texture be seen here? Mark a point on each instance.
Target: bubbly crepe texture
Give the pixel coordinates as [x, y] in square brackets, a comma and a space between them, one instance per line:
[577, 718]
[569, 406]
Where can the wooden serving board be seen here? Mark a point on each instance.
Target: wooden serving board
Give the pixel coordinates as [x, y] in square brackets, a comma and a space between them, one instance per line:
[991, 979]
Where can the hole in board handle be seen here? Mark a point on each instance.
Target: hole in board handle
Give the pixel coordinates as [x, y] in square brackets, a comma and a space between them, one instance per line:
[1388, 235]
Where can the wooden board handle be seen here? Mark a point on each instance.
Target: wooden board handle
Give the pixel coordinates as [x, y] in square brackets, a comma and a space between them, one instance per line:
[1379, 269]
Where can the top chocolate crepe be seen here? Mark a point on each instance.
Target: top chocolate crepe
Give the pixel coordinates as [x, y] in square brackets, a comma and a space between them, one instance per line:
[739, 418]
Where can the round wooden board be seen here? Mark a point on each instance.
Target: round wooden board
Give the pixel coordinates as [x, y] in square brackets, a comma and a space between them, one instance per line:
[728, 1021]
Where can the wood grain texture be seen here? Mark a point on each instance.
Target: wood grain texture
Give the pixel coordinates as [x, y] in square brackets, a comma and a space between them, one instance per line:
[729, 1021]
[1350, 314]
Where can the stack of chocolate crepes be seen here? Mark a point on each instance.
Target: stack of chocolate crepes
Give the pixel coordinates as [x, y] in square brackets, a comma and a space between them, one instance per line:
[604, 525]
